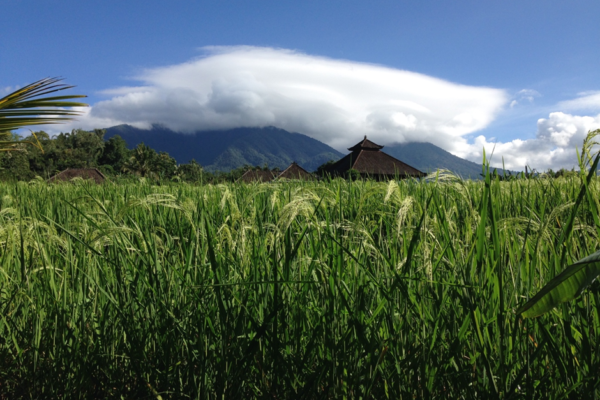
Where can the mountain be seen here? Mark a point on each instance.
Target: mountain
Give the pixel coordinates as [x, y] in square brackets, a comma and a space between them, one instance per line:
[228, 149]
[428, 158]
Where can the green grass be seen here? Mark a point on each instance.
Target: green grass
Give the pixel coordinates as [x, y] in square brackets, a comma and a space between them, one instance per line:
[295, 290]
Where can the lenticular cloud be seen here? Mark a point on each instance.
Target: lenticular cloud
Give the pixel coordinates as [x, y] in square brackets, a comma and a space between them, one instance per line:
[335, 101]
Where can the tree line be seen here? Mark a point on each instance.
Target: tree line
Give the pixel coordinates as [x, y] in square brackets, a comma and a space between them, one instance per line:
[88, 149]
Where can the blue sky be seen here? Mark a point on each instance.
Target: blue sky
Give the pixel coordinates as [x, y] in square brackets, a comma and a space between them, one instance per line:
[495, 68]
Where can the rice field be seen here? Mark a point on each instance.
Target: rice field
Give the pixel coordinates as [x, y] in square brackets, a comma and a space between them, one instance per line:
[316, 290]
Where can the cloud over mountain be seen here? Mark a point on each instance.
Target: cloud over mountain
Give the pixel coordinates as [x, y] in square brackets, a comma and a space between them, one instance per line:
[339, 101]
[334, 101]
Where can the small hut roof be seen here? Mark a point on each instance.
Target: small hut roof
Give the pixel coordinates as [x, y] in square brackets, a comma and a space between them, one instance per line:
[257, 176]
[368, 159]
[84, 173]
[294, 171]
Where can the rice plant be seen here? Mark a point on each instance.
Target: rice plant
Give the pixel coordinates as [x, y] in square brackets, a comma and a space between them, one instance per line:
[312, 290]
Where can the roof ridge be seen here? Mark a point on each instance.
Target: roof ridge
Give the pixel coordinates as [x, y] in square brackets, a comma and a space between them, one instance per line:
[366, 144]
[291, 167]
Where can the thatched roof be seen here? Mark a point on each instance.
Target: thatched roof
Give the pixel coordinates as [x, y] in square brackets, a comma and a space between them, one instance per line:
[257, 176]
[294, 171]
[366, 144]
[84, 173]
[368, 159]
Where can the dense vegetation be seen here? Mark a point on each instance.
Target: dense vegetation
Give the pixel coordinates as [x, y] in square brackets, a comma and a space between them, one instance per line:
[85, 149]
[89, 149]
[295, 290]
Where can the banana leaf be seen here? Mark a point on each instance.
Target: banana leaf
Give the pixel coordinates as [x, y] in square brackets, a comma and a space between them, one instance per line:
[563, 287]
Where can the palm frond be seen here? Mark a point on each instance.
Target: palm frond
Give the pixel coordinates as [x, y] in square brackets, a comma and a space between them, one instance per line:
[27, 106]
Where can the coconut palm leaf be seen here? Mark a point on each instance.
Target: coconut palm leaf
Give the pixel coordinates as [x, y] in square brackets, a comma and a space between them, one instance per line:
[564, 287]
[28, 106]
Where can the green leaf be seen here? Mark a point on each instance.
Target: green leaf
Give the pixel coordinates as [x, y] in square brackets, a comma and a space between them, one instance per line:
[26, 106]
[564, 287]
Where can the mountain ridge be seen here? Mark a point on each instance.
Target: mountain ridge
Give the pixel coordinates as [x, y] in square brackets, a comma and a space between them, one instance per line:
[428, 158]
[225, 150]
[229, 149]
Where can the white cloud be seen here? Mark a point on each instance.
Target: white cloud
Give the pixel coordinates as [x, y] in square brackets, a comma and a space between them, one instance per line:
[335, 101]
[555, 143]
[553, 147]
[524, 95]
[585, 101]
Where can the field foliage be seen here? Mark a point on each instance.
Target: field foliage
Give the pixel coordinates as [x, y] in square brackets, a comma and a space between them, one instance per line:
[295, 290]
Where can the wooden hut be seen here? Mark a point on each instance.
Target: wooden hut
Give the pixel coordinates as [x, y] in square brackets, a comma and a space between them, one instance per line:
[257, 176]
[367, 159]
[84, 173]
[294, 171]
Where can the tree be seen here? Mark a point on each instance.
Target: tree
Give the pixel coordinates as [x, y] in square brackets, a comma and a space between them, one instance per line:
[165, 165]
[14, 165]
[145, 162]
[43, 159]
[77, 149]
[191, 172]
[28, 106]
[115, 153]
[322, 169]
[142, 162]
